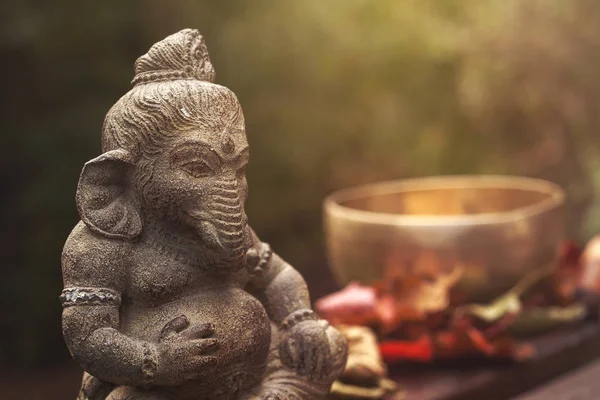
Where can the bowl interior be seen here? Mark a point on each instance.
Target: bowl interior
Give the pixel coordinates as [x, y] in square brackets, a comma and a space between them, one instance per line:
[450, 197]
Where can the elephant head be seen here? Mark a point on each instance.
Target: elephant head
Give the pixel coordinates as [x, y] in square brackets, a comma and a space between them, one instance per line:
[175, 157]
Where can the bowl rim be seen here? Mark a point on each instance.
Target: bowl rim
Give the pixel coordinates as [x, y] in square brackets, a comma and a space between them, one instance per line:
[555, 200]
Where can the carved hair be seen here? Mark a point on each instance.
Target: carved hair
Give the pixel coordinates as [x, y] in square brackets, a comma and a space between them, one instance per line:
[173, 92]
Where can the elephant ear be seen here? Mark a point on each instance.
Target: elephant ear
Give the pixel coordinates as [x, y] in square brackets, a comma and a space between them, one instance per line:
[105, 197]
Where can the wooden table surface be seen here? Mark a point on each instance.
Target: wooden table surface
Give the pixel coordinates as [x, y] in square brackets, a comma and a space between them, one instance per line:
[567, 367]
[558, 353]
[581, 384]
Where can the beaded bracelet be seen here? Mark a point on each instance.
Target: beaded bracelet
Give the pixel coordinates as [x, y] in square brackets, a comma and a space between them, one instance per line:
[149, 364]
[297, 317]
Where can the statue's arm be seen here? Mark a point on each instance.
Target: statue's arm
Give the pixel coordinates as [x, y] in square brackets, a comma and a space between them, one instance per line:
[277, 285]
[94, 277]
[308, 345]
[281, 289]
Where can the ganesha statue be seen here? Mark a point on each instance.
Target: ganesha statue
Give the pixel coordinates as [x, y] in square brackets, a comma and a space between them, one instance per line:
[168, 292]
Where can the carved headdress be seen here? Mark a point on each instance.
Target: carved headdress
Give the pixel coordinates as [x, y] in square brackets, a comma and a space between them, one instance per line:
[173, 90]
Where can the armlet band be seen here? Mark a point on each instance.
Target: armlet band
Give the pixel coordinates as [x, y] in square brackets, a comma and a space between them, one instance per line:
[86, 296]
[265, 257]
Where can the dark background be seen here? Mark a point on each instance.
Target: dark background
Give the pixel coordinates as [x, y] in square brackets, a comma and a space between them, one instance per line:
[335, 94]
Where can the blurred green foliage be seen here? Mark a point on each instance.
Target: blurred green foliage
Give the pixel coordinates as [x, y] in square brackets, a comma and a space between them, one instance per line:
[335, 93]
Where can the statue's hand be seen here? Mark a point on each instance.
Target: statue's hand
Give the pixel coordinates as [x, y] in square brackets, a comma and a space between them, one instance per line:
[304, 347]
[184, 352]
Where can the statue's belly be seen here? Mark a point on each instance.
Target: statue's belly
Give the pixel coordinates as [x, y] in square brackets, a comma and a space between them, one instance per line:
[242, 328]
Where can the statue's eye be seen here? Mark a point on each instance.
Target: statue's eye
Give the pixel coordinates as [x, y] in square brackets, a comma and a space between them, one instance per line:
[198, 169]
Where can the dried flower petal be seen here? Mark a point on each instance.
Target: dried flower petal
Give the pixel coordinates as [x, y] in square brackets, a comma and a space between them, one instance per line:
[354, 305]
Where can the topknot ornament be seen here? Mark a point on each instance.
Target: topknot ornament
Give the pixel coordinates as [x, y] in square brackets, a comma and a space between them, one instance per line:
[182, 55]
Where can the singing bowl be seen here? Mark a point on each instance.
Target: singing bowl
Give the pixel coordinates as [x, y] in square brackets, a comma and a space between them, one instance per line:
[496, 229]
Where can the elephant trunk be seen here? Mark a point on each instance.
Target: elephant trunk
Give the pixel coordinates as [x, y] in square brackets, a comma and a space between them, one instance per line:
[223, 225]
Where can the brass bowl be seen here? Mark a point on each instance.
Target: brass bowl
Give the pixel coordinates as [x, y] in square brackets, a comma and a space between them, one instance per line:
[496, 228]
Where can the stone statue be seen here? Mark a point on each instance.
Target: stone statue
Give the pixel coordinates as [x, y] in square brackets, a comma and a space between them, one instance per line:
[169, 294]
